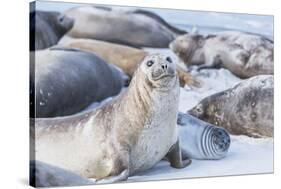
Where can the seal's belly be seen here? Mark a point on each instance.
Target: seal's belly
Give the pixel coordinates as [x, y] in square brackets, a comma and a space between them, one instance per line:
[152, 146]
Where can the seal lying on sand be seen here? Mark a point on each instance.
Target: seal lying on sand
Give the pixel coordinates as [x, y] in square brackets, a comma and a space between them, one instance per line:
[245, 55]
[124, 57]
[46, 28]
[67, 81]
[127, 135]
[44, 175]
[201, 140]
[132, 27]
[246, 109]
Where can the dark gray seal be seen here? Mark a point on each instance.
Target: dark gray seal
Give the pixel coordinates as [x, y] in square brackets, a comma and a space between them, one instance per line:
[246, 109]
[202, 140]
[66, 81]
[138, 28]
[127, 135]
[46, 28]
[45, 175]
[244, 54]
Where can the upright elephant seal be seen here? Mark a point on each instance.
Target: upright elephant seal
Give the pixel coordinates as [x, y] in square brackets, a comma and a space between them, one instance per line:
[245, 55]
[46, 28]
[246, 109]
[124, 57]
[132, 27]
[65, 81]
[124, 136]
[202, 140]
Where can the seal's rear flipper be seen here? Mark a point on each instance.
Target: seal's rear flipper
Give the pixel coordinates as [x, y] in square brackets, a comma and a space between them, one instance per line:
[112, 179]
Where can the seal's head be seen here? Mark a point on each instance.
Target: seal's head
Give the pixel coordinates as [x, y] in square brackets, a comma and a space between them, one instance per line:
[185, 45]
[198, 111]
[64, 23]
[58, 22]
[206, 109]
[159, 71]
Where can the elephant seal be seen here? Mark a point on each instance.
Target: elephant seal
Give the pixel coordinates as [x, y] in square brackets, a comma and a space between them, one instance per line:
[46, 28]
[244, 54]
[45, 175]
[246, 109]
[124, 136]
[124, 57]
[201, 140]
[65, 81]
[138, 28]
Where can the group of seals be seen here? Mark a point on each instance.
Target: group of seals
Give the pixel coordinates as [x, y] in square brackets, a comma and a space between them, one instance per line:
[66, 81]
[246, 109]
[46, 28]
[119, 138]
[245, 55]
[124, 57]
[202, 140]
[131, 27]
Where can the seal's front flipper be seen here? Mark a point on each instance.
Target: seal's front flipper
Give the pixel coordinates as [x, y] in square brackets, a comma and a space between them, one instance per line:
[112, 179]
[212, 63]
[174, 156]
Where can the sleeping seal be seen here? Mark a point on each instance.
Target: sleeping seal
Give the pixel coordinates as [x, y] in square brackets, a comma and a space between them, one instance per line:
[124, 136]
[124, 57]
[245, 55]
[138, 28]
[46, 28]
[201, 140]
[65, 81]
[246, 109]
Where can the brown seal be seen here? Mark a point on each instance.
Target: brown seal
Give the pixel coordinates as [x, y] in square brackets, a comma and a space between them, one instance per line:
[244, 54]
[124, 136]
[246, 109]
[124, 57]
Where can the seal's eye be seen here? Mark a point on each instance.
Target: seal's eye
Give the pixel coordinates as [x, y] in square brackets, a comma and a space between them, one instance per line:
[61, 18]
[169, 59]
[150, 63]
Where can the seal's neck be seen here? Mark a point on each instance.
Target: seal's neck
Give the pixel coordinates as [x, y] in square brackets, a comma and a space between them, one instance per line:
[143, 95]
[140, 94]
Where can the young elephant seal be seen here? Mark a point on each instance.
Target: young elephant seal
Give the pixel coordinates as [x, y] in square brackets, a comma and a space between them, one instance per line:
[127, 135]
[133, 27]
[202, 140]
[245, 55]
[46, 28]
[65, 81]
[246, 109]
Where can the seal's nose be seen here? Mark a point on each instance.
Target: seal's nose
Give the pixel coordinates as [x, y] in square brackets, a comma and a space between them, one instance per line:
[164, 66]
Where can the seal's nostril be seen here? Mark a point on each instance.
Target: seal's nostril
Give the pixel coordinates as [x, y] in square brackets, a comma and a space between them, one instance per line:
[164, 67]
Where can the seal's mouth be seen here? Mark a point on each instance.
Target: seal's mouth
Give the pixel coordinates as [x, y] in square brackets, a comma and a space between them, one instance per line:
[164, 76]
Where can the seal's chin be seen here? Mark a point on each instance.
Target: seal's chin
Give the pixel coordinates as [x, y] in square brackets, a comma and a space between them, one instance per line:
[164, 76]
